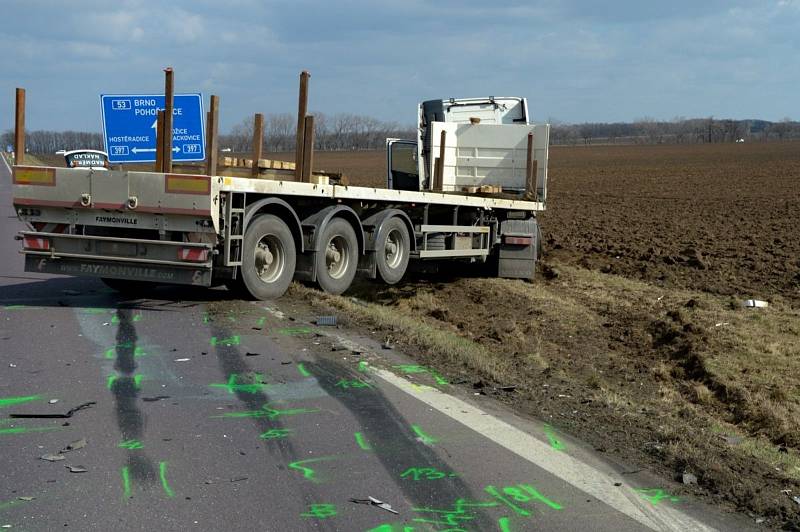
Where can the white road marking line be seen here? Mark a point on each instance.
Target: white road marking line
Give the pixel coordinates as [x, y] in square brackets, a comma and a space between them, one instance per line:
[8, 166]
[570, 469]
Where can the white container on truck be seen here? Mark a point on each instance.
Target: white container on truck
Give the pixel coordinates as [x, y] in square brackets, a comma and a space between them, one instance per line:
[256, 235]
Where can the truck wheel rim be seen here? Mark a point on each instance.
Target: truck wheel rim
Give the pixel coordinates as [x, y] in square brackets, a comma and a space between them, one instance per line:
[393, 249]
[337, 257]
[269, 258]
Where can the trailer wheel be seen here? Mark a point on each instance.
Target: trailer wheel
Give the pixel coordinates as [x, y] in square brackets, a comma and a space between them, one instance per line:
[268, 257]
[393, 250]
[337, 258]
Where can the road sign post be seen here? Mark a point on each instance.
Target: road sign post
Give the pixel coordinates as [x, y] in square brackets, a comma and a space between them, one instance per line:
[130, 122]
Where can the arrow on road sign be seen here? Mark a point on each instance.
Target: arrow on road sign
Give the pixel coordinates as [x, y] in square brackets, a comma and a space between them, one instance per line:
[145, 150]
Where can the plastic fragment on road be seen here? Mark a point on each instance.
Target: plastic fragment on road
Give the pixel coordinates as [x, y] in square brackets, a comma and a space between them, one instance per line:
[372, 501]
[69, 412]
[52, 457]
[182, 359]
[76, 469]
[52, 401]
[77, 444]
[328, 321]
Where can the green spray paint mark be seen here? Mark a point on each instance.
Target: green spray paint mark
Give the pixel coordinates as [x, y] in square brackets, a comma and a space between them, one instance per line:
[113, 379]
[268, 412]
[138, 351]
[390, 527]
[260, 322]
[354, 383]
[362, 443]
[8, 401]
[439, 379]
[421, 436]
[95, 310]
[131, 445]
[16, 307]
[293, 331]
[363, 366]
[461, 511]
[411, 368]
[424, 473]
[205, 317]
[555, 443]
[126, 482]
[521, 493]
[504, 524]
[656, 495]
[233, 385]
[226, 342]
[25, 430]
[308, 473]
[134, 318]
[274, 434]
[320, 511]
[162, 473]
[303, 371]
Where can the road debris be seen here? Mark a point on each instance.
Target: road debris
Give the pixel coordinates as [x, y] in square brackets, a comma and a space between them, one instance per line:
[327, 321]
[238, 479]
[755, 303]
[69, 413]
[375, 502]
[182, 359]
[155, 398]
[249, 354]
[74, 446]
[27, 499]
[689, 478]
[52, 457]
[52, 401]
[76, 469]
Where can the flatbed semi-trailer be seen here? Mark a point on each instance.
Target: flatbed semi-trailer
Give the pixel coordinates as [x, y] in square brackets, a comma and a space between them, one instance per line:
[256, 235]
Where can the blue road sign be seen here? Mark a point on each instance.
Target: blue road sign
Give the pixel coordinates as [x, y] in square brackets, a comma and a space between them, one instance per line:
[130, 121]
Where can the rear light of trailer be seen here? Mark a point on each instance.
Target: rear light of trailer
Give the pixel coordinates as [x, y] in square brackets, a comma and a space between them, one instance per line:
[518, 240]
[187, 184]
[33, 242]
[193, 254]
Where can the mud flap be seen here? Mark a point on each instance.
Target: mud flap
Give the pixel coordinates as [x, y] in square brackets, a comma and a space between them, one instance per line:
[518, 249]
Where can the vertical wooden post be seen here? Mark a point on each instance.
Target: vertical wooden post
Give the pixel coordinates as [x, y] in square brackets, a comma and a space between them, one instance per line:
[169, 105]
[530, 171]
[212, 150]
[160, 142]
[308, 148]
[302, 109]
[19, 129]
[258, 140]
[438, 177]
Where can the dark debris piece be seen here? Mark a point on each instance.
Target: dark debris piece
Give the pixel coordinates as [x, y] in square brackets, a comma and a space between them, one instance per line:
[372, 501]
[58, 416]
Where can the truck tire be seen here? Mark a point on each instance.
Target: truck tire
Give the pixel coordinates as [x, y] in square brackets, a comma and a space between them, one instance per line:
[392, 250]
[268, 257]
[337, 257]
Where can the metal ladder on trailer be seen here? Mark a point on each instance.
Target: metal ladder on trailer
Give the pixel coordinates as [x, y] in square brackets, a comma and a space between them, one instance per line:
[234, 228]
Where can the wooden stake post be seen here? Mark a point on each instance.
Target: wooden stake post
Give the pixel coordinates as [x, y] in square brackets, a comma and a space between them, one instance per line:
[212, 150]
[530, 171]
[160, 142]
[308, 149]
[169, 105]
[19, 129]
[258, 140]
[302, 109]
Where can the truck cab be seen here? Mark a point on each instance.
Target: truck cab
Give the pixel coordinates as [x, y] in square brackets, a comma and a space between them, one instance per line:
[485, 143]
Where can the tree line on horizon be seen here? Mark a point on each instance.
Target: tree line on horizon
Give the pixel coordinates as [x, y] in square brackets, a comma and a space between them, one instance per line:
[349, 132]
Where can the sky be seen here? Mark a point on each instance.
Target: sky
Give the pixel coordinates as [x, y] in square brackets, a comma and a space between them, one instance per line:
[575, 61]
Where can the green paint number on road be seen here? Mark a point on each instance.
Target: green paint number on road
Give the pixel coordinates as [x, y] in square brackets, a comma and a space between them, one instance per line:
[131, 445]
[320, 511]
[225, 342]
[162, 473]
[425, 473]
[308, 473]
[656, 495]
[354, 383]
[362, 443]
[421, 436]
[273, 434]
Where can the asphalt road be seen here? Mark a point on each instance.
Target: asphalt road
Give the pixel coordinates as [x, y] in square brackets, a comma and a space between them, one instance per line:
[203, 412]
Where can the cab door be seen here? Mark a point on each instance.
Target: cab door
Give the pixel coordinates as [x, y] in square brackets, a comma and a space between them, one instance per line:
[402, 165]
